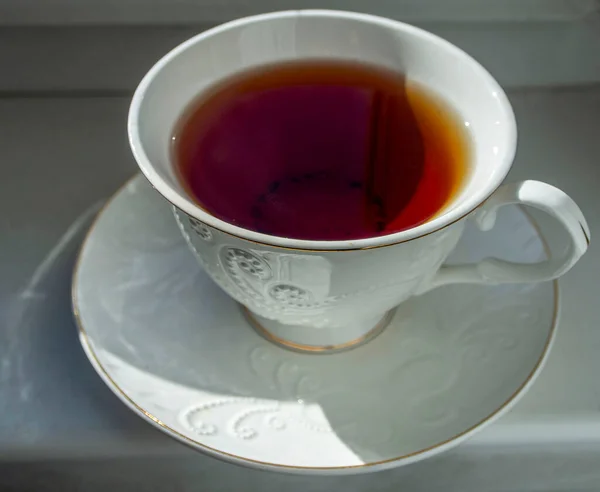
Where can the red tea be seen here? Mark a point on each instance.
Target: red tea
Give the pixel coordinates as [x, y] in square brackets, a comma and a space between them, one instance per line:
[321, 150]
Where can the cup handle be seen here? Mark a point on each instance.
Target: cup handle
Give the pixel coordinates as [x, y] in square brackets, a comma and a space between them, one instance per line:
[494, 271]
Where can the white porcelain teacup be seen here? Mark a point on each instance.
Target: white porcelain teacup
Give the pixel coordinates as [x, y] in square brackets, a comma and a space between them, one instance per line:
[321, 295]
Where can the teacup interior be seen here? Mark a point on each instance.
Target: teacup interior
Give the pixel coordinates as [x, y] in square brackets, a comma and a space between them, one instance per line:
[200, 63]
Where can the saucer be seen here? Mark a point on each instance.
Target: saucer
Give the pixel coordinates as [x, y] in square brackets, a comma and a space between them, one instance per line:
[181, 354]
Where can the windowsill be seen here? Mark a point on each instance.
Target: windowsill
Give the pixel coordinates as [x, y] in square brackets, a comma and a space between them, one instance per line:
[62, 155]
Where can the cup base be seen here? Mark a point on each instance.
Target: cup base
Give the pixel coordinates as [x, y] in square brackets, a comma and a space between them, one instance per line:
[266, 329]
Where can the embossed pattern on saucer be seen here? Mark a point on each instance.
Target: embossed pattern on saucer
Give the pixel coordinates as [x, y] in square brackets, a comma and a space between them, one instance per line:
[179, 352]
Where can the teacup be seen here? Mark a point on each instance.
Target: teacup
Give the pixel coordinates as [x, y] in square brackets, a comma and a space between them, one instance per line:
[328, 295]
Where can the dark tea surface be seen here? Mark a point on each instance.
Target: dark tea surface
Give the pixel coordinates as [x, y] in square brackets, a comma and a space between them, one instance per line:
[321, 150]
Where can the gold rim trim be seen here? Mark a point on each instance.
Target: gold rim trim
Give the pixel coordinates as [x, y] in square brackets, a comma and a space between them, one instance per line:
[585, 234]
[322, 250]
[318, 349]
[122, 395]
[308, 250]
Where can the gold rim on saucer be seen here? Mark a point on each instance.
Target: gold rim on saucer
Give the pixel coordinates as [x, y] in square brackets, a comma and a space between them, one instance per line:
[119, 392]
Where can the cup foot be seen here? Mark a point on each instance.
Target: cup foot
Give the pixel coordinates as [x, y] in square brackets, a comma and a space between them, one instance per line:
[267, 328]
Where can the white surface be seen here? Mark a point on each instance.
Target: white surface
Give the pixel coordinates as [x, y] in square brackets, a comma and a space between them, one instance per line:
[57, 407]
[170, 344]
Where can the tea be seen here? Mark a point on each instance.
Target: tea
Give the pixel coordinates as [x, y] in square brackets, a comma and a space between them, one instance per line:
[321, 150]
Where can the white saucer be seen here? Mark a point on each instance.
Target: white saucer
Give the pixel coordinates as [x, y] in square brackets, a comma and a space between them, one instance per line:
[180, 353]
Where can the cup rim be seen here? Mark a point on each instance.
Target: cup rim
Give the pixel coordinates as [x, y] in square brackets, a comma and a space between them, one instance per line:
[186, 205]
